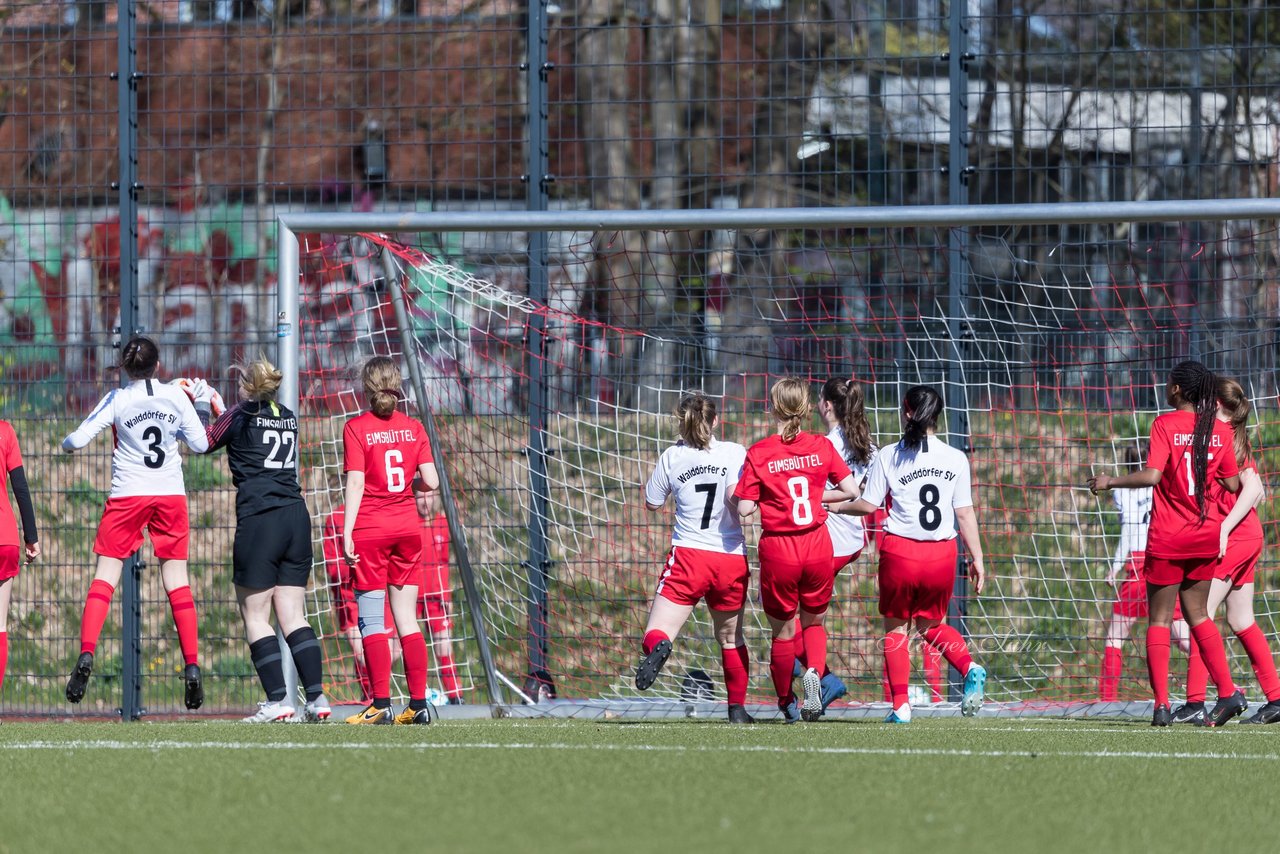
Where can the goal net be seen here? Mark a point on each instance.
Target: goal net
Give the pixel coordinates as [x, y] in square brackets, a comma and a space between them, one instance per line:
[1051, 346]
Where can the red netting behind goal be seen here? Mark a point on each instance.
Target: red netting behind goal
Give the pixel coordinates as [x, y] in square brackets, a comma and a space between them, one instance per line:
[1066, 338]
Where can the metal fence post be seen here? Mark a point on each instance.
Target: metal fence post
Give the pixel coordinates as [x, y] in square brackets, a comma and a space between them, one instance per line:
[128, 187]
[958, 173]
[536, 179]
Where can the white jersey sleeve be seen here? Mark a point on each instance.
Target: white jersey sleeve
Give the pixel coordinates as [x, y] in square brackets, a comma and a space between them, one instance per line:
[848, 533]
[927, 486]
[702, 482]
[98, 420]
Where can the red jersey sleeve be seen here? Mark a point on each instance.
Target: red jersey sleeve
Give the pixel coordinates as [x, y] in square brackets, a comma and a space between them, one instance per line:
[352, 448]
[1160, 451]
[424, 447]
[749, 482]
[12, 454]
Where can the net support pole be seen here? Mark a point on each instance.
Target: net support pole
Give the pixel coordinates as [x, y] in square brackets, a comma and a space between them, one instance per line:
[288, 337]
[476, 609]
[958, 331]
[537, 178]
[128, 187]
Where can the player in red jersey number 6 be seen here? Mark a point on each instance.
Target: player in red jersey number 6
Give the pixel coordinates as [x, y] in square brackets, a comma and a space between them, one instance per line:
[929, 485]
[708, 558]
[785, 476]
[382, 537]
[1190, 449]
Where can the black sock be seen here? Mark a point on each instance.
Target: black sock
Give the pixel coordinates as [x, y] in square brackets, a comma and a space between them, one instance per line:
[382, 702]
[306, 657]
[266, 660]
[417, 705]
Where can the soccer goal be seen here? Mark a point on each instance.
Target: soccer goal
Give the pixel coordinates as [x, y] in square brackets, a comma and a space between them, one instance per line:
[545, 351]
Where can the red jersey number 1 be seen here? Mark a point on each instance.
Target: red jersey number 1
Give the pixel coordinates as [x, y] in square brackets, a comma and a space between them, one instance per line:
[1191, 478]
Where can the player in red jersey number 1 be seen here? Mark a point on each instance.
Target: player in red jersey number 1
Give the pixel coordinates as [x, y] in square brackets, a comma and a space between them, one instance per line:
[13, 471]
[1190, 449]
[383, 449]
[786, 476]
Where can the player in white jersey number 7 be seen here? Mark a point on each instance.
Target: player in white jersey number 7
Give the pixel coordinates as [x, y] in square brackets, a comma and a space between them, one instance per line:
[708, 551]
[929, 483]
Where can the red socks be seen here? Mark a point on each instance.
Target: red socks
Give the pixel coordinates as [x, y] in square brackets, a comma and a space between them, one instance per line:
[1197, 675]
[952, 646]
[1112, 667]
[651, 639]
[802, 654]
[1215, 656]
[362, 675]
[737, 671]
[814, 639]
[414, 650]
[932, 671]
[1264, 666]
[1158, 663]
[782, 660]
[4, 655]
[184, 619]
[448, 675]
[897, 666]
[96, 606]
[377, 659]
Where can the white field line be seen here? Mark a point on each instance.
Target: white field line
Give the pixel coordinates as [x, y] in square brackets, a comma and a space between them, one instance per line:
[157, 746]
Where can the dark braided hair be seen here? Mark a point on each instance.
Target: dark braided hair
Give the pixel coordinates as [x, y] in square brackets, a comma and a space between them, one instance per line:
[1198, 386]
[850, 405]
[926, 405]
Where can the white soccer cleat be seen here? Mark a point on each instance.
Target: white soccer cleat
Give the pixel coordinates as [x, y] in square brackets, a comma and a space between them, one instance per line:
[316, 711]
[812, 684]
[270, 712]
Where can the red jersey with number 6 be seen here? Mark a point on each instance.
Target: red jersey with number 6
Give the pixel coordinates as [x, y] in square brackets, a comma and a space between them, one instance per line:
[388, 451]
[787, 480]
[1176, 530]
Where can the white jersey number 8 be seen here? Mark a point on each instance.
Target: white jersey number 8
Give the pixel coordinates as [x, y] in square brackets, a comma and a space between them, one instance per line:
[395, 472]
[801, 509]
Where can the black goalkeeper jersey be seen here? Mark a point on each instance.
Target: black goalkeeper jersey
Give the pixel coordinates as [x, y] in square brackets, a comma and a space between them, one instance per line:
[261, 439]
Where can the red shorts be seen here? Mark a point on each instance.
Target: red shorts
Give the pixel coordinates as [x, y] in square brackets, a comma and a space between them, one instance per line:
[1240, 562]
[796, 572]
[916, 577]
[387, 560]
[10, 561]
[694, 574]
[1131, 600]
[435, 610]
[841, 561]
[164, 517]
[1164, 571]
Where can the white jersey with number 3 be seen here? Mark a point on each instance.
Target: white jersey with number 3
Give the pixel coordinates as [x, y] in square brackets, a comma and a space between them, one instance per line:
[702, 481]
[926, 486]
[147, 417]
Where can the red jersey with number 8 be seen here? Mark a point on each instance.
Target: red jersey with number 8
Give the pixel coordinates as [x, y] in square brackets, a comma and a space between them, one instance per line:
[388, 451]
[1176, 530]
[787, 480]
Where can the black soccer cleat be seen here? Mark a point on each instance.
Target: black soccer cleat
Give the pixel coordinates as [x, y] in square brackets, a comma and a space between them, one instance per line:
[1227, 708]
[194, 697]
[79, 677]
[1268, 714]
[652, 665]
[1191, 713]
[1162, 717]
[739, 715]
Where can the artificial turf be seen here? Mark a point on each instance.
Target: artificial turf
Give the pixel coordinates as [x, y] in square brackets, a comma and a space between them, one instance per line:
[544, 785]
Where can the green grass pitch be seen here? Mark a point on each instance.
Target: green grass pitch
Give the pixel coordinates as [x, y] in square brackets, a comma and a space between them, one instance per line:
[698, 786]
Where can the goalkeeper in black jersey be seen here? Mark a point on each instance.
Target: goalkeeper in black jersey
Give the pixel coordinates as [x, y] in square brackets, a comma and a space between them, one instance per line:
[272, 554]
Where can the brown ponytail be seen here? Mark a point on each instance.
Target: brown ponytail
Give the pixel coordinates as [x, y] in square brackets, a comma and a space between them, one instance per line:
[1235, 405]
[696, 413]
[139, 358]
[791, 405]
[849, 402]
[259, 379]
[382, 381]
